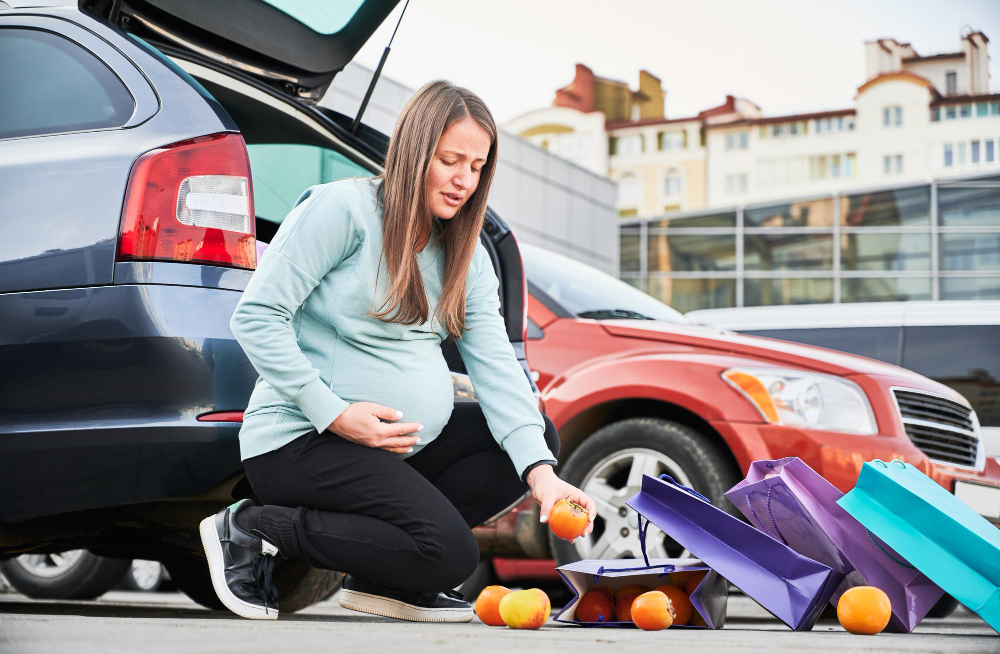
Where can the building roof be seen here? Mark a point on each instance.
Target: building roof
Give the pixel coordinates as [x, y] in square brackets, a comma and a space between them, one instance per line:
[899, 75]
[962, 99]
[646, 122]
[945, 55]
[770, 120]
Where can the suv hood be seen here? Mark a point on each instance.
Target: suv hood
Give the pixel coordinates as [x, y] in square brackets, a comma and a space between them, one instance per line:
[787, 353]
[296, 46]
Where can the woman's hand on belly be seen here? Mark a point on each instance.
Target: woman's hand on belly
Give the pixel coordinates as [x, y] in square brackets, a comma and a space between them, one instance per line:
[359, 423]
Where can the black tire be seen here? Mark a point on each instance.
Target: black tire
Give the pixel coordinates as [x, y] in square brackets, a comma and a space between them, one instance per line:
[708, 469]
[89, 577]
[299, 584]
[944, 607]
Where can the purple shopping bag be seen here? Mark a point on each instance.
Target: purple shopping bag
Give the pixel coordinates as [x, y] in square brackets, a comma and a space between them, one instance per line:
[709, 599]
[791, 502]
[790, 586]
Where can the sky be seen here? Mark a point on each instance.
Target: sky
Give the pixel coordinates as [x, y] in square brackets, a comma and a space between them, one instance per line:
[787, 56]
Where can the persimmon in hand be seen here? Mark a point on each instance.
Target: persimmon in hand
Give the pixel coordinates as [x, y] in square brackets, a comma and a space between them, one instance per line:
[567, 520]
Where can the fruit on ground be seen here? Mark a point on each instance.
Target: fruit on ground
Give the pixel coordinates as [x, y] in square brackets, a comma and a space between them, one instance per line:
[623, 607]
[693, 581]
[680, 601]
[633, 589]
[652, 611]
[595, 606]
[488, 605]
[567, 519]
[864, 610]
[525, 609]
[679, 579]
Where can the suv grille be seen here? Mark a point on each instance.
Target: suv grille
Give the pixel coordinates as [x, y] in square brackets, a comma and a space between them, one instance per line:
[941, 427]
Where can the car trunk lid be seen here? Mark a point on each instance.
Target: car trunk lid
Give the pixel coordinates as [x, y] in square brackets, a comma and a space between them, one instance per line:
[296, 46]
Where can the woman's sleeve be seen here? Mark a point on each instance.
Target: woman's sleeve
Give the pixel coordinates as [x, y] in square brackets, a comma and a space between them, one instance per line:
[503, 389]
[315, 237]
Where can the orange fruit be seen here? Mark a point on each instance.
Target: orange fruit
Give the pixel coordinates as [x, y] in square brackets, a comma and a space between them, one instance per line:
[679, 579]
[604, 590]
[623, 606]
[693, 581]
[633, 589]
[864, 610]
[680, 601]
[595, 606]
[567, 519]
[488, 605]
[652, 611]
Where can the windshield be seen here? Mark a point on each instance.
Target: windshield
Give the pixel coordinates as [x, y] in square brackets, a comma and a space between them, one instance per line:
[326, 17]
[588, 292]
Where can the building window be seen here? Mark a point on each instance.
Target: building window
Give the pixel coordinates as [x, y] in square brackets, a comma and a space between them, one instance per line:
[630, 145]
[961, 154]
[892, 164]
[736, 184]
[949, 113]
[793, 129]
[935, 114]
[951, 82]
[835, 166]
[612, 145]
[982, 109]
[628, 192]
[851, 165]
[737, 140]
[994, 108]
[975, 152]
[989, 151]
[674, 140]
[777, 130]
[892, 116]
[965, 111]
[949, 155]
[672, 183]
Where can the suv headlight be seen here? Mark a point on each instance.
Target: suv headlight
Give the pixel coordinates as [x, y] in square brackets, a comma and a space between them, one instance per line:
[805, 399]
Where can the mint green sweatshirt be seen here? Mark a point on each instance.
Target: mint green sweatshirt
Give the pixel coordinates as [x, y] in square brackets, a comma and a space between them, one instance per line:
[301, 322]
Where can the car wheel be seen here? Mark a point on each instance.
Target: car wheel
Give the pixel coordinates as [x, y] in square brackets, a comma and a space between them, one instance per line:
[144, 576]
[299, 584]
[73, 574]
[609, 465]
[944, 607]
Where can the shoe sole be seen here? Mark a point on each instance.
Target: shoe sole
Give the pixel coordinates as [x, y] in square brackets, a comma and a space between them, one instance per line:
[390, 608]
[213, 552]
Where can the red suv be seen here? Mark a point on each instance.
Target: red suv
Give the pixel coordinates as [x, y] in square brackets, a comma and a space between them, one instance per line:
[634, 387]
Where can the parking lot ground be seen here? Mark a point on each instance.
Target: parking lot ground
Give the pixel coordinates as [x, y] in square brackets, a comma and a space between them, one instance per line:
[151, 623]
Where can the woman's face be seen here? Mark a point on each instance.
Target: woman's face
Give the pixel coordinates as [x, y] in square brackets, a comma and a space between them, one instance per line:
[455, 167]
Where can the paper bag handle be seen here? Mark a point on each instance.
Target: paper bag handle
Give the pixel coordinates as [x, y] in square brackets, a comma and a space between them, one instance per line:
[670, 479]
[770, 515]
[645, 557]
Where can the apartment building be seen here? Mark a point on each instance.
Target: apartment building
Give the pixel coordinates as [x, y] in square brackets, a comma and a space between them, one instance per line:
[915, 117]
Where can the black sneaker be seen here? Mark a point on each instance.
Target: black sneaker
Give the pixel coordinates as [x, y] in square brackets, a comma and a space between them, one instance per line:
[369, 597]
[240, 564]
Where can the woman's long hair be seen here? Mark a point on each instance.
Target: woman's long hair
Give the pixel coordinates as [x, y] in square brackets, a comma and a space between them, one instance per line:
[432, 109]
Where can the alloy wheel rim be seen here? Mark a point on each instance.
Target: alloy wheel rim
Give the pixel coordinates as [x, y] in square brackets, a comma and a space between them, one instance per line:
[611, 482]
[49, 565]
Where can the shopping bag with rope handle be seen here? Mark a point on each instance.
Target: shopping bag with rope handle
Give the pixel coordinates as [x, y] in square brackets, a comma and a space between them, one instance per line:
[793, 503]
[936, 532]
[790, 586]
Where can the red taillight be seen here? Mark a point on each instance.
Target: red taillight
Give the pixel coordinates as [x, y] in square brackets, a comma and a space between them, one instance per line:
[191, 202]
[221, 416]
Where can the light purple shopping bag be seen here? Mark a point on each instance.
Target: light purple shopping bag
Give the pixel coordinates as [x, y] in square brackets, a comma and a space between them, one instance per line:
[709, 599]
[794, 504]
[790, 586]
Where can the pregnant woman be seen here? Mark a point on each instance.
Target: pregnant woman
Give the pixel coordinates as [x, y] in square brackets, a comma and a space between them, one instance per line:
[352, 439]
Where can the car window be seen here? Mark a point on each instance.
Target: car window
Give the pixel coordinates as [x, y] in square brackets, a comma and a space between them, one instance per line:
[882, 343]
[964, 357]
[585, 290]
[51, 85]
[282, 171]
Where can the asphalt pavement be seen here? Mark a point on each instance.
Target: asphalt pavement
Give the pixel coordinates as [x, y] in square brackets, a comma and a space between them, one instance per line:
[154, 623]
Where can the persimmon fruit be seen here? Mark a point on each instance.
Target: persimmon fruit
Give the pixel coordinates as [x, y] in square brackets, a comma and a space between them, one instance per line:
[595, 606]
[864, 610]
[632, 589]
[567, 519]
[488, 605]
[652, 611]
[680, 602]
[693, 581]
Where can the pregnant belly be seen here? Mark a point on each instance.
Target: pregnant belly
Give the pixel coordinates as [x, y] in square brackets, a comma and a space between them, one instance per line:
[425, 396]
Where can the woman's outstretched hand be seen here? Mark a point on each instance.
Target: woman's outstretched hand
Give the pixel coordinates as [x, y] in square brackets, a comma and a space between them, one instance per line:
[359, 423]
[548, 489]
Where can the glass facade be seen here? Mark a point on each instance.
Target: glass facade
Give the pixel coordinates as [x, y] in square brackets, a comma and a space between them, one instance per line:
[938, 241]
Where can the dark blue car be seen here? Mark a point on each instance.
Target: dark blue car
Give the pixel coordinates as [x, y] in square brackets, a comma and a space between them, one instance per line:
[148, 149]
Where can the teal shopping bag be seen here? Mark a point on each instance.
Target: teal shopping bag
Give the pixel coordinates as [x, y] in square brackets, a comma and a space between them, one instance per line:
[934, 531]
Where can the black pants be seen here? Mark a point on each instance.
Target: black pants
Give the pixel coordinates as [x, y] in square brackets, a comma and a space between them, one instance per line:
[404, 523]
